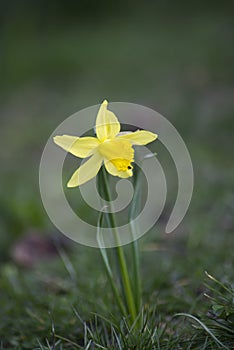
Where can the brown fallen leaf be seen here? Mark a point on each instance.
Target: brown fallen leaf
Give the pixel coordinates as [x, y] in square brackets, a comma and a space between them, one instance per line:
[36, 246]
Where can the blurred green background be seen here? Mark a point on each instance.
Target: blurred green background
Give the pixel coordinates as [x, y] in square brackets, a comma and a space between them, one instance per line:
[175, 57]
[60, 57]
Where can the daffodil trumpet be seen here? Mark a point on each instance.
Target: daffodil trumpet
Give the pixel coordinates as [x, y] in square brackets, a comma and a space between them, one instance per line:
[110, 146]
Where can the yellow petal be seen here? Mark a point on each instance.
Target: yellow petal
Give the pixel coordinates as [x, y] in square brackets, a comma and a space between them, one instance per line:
[86, 171]
[111, 168]
[116, 149]
[107, 125]
[79, 146]
[139, 137]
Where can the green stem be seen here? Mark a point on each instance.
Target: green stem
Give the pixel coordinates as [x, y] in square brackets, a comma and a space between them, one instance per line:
[122, 262]
[126, 284]
[136, 272]
[135, 245]
[110, 276]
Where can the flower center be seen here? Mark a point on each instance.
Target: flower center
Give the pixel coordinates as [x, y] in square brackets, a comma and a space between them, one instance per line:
[121, 164]
[119, 152]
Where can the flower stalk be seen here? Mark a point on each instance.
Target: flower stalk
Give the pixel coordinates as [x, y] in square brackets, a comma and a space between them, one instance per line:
[124, 275]
[135, 244]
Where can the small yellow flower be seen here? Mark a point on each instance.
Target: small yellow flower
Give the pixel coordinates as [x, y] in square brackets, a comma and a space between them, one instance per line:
[110, 146]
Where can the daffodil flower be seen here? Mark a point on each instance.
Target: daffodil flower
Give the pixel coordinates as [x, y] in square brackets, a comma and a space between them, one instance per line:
[110, 146]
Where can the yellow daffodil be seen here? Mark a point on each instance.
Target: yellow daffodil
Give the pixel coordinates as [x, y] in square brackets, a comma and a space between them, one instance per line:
[110, 146]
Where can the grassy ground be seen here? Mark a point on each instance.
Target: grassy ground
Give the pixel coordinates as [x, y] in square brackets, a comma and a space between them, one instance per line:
[179, 62]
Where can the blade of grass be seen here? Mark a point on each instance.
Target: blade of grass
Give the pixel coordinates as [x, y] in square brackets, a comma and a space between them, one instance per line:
[67, 263]
[134, 209]
[206, 329]
[220, 283]
[68, 341]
